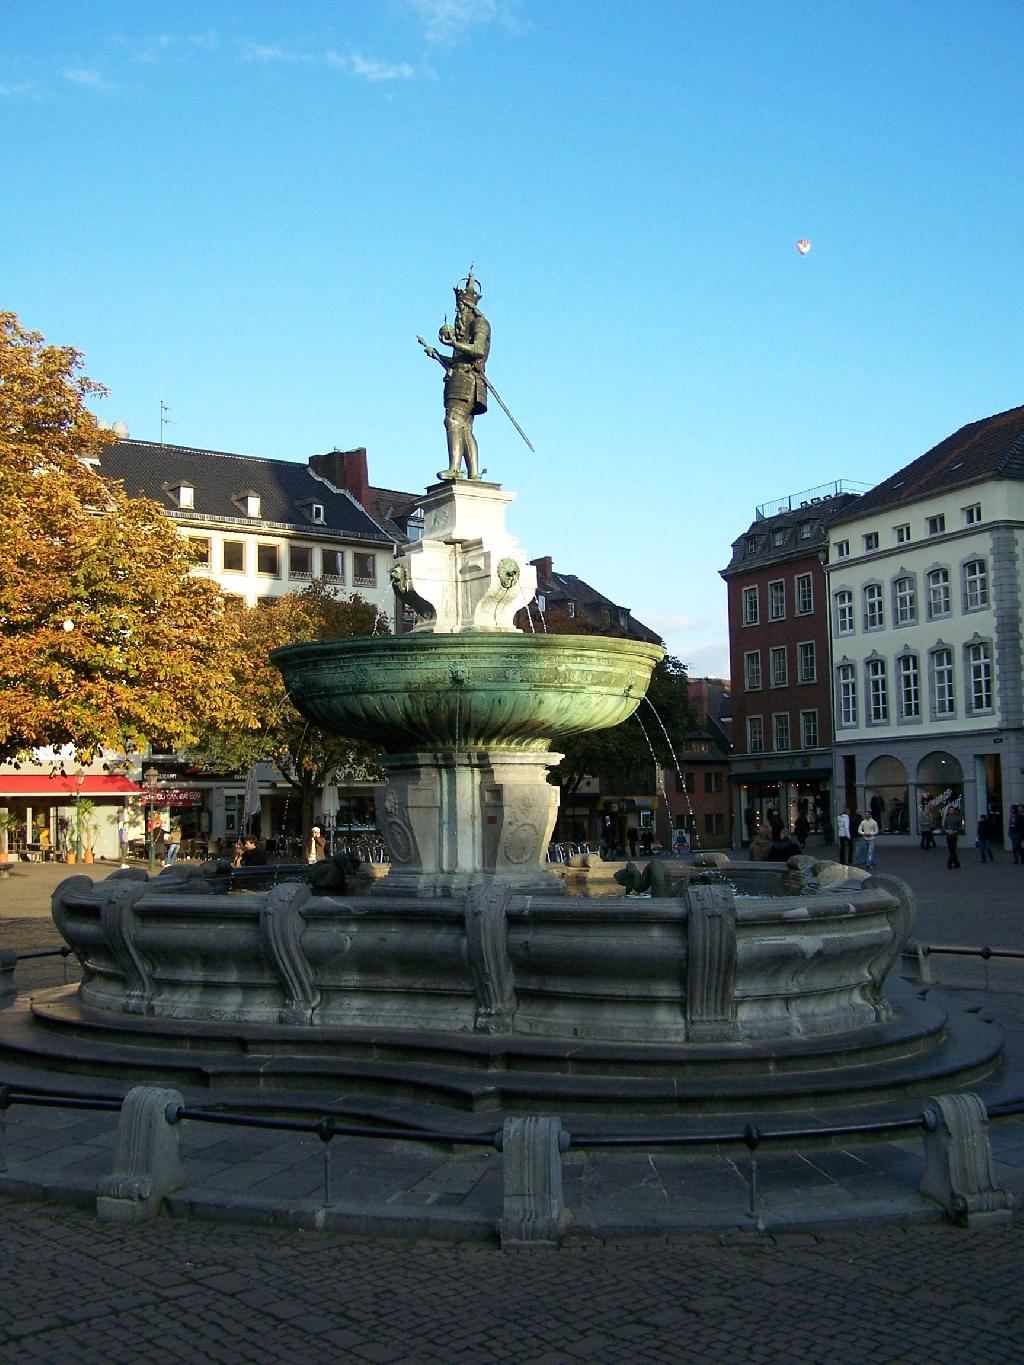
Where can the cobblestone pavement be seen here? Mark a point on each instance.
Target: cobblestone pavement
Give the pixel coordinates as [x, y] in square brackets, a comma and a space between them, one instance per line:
[76, 1290]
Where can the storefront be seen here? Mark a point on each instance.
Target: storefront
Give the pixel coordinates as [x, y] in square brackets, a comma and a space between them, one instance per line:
[51, 815]
[787, 794]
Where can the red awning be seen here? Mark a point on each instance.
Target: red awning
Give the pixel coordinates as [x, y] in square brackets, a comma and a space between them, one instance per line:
[60, 789]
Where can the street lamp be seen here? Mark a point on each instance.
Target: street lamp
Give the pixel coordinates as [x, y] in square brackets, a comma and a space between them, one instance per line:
[149, 780]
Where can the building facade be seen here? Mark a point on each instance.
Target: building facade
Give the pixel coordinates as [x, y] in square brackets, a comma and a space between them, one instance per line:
[779, 661]
[925, 588]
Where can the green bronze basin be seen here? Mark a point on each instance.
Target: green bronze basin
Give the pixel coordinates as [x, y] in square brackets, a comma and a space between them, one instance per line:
[489, 691]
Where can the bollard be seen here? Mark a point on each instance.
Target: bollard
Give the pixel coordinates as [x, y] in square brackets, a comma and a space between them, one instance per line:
[148, 1164]
[533, 1211]
[958, 1162]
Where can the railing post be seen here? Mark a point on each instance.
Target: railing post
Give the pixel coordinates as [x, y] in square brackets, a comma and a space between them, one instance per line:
[148, 1164]
[958, 1162]
[533, 1212]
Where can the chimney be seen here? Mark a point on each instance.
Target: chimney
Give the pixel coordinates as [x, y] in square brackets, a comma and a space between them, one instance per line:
[345, 469]
[543, 567]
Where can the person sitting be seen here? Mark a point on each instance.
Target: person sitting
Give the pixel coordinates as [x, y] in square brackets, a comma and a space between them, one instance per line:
[252, 854]
[783, 848]
[760, 845]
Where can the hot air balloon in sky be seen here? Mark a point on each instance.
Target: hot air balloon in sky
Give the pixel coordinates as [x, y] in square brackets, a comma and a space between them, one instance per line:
[803, 246]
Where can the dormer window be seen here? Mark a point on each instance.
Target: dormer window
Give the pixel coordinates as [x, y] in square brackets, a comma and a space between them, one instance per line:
[183, 494]
[316, 511]
[248, 503]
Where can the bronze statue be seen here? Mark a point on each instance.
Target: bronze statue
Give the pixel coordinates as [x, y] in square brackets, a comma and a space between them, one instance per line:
[465, 387]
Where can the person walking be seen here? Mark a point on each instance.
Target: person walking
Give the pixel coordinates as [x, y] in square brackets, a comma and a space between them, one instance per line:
[1015, 829]
[845, 842]
[867, 830]
[926, 826]
[173, 845]
[983, 842]
[951, 829]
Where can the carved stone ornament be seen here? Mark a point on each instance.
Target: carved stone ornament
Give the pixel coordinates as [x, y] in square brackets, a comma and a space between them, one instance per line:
[508, 573]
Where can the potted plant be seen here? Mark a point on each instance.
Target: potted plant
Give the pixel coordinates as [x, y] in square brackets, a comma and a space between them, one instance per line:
[8, 824]
[85, 828]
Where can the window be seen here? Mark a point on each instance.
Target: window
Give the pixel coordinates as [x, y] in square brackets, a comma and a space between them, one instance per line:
[844, 612]
[904, 600]
[234, 556]
[809, 729]
[201, 545]
[753, 544]
[874, 617]
[252, 504]
[713, 784]
[878, 692]
[755, 735]
[333, 564]
[972, 514]
[685, 782]
[842, 549]
[570, 610]
[910, 686]
[871, 541]
[780, 667]
[752, 670]
[806, 663]
[806, 530]
[804, 588]
[938, 592]
[847, 675]
[979, 676]
[975, 585]
[300, 561]
[751, 610]
[268, 560]
[776, 600]
[936, 525]
[778, 538]
[364, 570]
[714, 823]
[902, 533]
[780, 729]
[185, 494]
[316, 511]
[943, 697]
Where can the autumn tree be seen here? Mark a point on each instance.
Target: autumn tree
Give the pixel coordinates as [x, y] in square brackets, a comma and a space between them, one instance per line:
[104, 634]
[269, 728]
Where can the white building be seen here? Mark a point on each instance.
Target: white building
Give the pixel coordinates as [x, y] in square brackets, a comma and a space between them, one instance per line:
[925, 588]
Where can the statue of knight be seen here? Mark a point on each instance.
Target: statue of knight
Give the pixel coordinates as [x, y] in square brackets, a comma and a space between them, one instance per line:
[466, 385]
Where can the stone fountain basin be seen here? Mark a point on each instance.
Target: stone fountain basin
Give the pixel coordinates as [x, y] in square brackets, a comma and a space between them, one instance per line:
[472, 690]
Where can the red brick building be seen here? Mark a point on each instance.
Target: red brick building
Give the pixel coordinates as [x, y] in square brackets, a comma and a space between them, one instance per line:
[779, 659]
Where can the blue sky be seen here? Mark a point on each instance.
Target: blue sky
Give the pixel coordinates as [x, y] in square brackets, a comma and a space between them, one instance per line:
[250, 210]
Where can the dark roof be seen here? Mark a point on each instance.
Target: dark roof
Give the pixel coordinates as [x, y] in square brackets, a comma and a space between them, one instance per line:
[287, 490]
[392, 508]
[592, 607]
[800, 531]
[992, 448]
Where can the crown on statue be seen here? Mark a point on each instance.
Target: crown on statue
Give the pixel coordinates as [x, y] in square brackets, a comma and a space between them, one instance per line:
[468, 290]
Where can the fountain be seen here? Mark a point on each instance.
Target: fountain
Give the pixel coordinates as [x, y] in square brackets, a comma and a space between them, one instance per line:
[467, 982]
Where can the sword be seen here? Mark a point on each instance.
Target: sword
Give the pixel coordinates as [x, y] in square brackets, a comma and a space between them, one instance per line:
[444, 360]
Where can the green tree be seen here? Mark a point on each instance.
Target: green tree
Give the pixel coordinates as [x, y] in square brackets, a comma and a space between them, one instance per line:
[268, 727]
[621, 755]
[104, 633]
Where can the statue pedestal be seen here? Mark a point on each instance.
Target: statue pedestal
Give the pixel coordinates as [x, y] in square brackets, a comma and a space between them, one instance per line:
[450, 817]
[466, 572]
